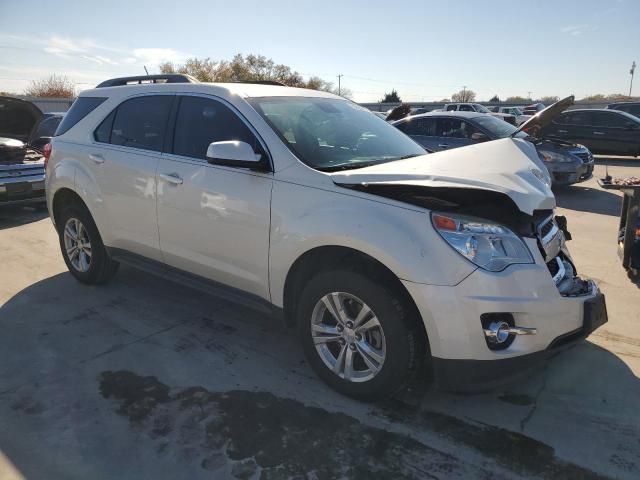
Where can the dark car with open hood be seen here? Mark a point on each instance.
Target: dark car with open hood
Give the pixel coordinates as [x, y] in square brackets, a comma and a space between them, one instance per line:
[24, 133]
[566, 162]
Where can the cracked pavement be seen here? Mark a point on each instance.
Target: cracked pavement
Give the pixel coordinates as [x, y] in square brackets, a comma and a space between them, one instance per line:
[144, 378]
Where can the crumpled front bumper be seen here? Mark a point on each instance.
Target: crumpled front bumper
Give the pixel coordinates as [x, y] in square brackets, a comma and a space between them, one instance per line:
[452, 315]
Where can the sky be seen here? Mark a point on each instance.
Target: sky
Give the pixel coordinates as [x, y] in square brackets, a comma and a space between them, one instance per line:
[426, 49]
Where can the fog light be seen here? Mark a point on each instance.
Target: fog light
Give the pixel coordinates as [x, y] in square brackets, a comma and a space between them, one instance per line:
[498, 332]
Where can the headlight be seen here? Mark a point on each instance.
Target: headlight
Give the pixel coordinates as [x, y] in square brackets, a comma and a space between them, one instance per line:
[488, 245]
[555, 157]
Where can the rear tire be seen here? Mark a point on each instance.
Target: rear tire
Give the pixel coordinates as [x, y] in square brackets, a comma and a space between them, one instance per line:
[383, 347]
[82, 248]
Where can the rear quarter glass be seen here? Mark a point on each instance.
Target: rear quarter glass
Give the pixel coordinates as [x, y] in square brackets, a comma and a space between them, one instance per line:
[82, 107]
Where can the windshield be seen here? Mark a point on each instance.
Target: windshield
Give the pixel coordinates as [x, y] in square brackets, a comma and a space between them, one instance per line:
[332, 134]
[516, 111]
[497, 127]
[481, 108]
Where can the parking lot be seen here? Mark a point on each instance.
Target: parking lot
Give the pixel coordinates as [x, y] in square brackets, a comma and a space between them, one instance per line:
[144, 378]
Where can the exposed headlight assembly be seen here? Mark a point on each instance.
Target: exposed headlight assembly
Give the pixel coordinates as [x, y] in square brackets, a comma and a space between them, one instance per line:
[489, 245]
[555, 157]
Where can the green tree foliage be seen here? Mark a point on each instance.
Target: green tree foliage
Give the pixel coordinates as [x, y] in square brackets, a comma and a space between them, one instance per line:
[246, 69]
[52, 86]
[464, 95]
[392, 97]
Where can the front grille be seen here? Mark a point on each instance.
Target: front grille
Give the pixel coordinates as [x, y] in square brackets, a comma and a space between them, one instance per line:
[553, 267]
[546, 227]
[586, 157]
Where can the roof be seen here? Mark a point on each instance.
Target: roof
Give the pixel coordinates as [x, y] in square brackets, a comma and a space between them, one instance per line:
[240, 89]
[441, 114]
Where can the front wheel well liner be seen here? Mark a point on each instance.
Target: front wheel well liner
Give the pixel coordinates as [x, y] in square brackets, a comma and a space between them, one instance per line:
[338, 257]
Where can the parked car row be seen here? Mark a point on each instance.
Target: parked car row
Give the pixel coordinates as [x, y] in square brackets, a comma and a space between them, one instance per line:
[566, 162]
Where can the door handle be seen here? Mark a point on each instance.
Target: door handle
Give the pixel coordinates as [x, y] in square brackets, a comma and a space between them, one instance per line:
[598, 133]
[562, 131]
[96, 158]
[444, 145]
[172, 178]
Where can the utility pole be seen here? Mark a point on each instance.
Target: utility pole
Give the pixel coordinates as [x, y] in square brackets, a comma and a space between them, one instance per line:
[339, 86]
[464, 93]
[633, 69]
[529, 93]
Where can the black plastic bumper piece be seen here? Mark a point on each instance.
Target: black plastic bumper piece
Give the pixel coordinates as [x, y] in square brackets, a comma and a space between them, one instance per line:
[483, 375]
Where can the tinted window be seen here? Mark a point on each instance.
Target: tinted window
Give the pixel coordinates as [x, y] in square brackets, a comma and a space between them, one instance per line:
[454, 128]
[451, 108]
[606, 119]
[82, 107]
[103, 132]
[419, 126]
[141, 122]
[47, 127]
[466, 108]
[575, 118]
[201, 121]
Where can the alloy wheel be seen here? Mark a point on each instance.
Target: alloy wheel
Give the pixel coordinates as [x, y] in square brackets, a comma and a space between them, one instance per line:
[348, 337]
[77, 245]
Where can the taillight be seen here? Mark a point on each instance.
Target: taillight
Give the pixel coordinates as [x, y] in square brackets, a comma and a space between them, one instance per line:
[46, 151]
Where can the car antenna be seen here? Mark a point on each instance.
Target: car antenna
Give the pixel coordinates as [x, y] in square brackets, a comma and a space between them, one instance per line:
[145, 69]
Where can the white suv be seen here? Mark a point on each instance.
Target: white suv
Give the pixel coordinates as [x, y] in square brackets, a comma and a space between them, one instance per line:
[308, 206]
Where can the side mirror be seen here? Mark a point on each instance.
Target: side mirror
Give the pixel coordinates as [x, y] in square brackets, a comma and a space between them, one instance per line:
[234, 153]
[479, 137]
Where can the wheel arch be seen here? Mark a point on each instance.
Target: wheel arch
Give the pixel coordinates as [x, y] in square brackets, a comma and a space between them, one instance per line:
[332, 257]
[63, 197]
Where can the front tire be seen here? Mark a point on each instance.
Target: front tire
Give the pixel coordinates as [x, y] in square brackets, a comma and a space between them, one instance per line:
[82, 247]
[357, 335]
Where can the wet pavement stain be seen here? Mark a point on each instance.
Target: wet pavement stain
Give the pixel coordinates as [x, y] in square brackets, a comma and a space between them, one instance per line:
[258, 435]
[517, 399]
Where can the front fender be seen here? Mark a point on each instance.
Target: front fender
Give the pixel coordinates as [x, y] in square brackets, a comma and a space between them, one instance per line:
[402, 239]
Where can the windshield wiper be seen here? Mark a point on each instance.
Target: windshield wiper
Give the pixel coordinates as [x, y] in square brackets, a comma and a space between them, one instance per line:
[354, 165]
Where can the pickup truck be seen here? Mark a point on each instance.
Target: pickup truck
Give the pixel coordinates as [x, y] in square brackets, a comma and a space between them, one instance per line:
[476, 107]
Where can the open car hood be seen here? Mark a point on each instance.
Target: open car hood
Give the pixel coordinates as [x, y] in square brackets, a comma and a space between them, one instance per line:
[17, 118]
[544, 117]
[509, 166]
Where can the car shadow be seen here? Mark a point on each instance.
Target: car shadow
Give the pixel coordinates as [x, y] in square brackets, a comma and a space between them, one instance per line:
[77, 358]
[587, 199]
[14, 215]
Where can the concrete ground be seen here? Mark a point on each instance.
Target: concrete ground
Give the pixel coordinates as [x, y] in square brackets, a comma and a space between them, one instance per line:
[143, 378]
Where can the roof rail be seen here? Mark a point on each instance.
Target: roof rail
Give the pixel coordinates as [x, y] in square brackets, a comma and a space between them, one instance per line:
[262, 82]
[142, 79]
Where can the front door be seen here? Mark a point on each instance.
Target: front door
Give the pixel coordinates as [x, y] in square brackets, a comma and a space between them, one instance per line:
[213, 221]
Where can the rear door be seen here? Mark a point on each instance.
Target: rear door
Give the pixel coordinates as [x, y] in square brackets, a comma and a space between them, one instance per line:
[454, 133]
[615, 132]
[123, 162]
[423, 131]
[214, 220]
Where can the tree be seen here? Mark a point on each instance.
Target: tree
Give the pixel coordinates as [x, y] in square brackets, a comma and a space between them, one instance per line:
[495, 99]
[392, 97]
[248, 69]
[464, 95]
[53, 86]
[518, 99]
[548, 100]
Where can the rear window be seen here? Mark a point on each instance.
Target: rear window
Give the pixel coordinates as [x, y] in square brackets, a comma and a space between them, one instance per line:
[82, 107]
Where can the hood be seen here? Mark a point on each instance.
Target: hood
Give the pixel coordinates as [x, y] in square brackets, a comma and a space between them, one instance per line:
[17, 118]
[544, 117]
[508, 166]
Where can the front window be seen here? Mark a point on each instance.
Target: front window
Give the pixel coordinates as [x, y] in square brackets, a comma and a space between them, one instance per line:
[331, 134]
[481, 108]
[497, 127]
